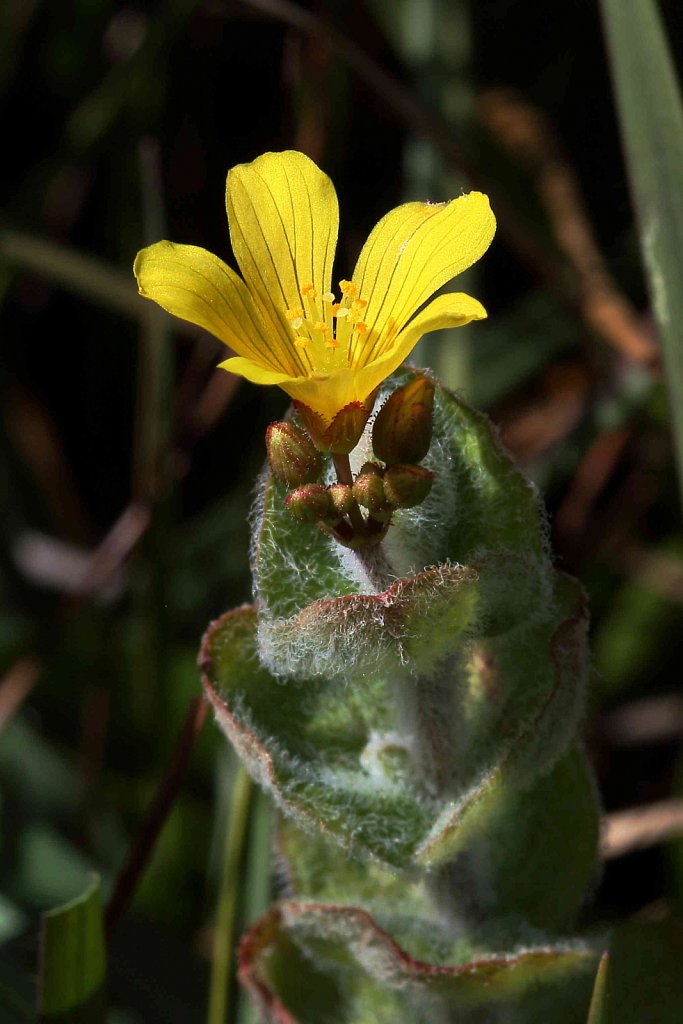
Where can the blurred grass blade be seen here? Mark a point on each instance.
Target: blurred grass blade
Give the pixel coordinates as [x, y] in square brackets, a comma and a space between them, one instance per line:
[599, 1008]
[83, 275]
[72, 961]
[651, 116]
[229, 896]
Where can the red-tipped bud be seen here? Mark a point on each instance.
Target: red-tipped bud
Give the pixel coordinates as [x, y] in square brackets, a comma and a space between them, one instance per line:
[293, 457]
[368, 489]
[342, 498]
[406, 485]
[310, 504]
[402, 431]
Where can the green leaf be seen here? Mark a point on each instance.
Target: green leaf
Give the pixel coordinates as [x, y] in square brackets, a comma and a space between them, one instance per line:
[362, 975]
[599, 1012]
[530, 865]
[481, 516]
[413, 624]
[538, 853]
[336, 759]
[651, 117]
[72, 961]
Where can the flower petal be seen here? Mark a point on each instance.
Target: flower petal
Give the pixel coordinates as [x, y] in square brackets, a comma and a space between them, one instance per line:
[197, 286]
[255, 372]
[324, 395]
[454, 309]
[412, 252]
[284, 218]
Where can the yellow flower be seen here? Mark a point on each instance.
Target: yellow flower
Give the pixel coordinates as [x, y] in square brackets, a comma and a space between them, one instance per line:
[328, 351]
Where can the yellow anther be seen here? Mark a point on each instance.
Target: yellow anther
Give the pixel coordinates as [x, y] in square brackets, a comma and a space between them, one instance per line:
[348, 288]
[308, 291]
[320, 326]
[295, 313]
[360, 326]
[331, 343]
[301, 342]
[335, 309]
[328, 296]
[358, 304]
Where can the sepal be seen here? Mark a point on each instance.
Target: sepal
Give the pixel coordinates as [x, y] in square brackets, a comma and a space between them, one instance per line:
[341, 435]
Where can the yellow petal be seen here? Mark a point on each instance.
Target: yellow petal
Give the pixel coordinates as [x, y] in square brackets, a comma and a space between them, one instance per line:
[453, 309]
[325, 395]
[284, 217]
[253, 371]
[412, 252]
[195, 285]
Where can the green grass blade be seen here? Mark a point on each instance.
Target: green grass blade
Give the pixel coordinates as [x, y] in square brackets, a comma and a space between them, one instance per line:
[599, 1008]
[651, 115]
[229, 896]
[72, 961]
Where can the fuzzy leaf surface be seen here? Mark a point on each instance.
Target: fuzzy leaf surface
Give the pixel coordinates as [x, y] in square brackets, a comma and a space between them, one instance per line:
[334, 757]
[481, 516]
[362, 975]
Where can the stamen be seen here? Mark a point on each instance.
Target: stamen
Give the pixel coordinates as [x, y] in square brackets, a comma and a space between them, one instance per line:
[320, 326]
[331, 343]
[295, 313]
[301, 342]
[361, 327]
[348, 288]
[308, 291]
[359, 304]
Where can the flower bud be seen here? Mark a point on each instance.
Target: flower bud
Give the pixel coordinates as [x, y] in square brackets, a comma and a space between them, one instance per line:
[342, 498]
[293, 457]
[310, 504]
[402, 431]
[368, 489]
[406, 485]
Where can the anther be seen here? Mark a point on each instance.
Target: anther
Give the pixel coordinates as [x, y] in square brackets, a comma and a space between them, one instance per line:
[348, 288]
[308, 291]
[301, 342]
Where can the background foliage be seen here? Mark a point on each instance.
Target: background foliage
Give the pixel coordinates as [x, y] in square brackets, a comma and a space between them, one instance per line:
[127, 461]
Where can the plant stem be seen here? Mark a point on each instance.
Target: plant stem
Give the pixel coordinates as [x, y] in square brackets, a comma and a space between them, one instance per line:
[224, 927]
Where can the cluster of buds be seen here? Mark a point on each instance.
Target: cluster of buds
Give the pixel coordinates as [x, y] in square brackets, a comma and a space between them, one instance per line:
[401, 437]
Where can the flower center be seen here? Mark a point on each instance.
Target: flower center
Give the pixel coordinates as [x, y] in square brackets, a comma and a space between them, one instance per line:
[328, 334]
